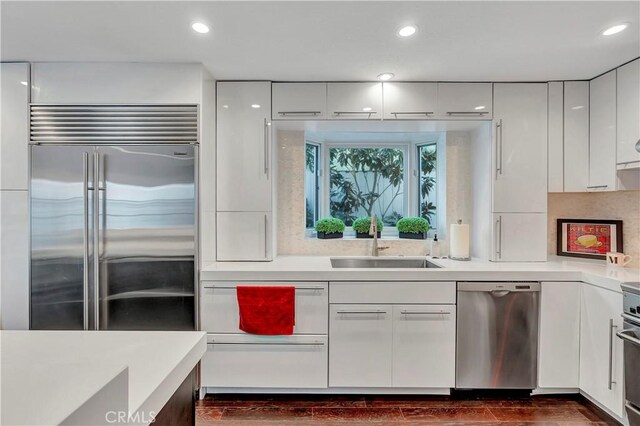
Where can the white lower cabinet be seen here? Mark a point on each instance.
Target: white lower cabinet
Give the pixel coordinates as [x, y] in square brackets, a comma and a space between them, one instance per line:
[242, 361]
[360, 341]
[392, 346]
[424, 346]
[559, 357]
[601, 360]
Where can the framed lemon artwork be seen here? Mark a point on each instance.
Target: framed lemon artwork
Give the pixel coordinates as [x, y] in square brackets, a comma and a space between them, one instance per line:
[589, 238]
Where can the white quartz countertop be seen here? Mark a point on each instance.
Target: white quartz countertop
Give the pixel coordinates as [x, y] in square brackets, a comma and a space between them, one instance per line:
[318, 268]
[47, 377]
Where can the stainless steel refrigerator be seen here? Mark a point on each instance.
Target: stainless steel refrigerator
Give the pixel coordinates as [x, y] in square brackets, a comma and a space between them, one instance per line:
[113, 211]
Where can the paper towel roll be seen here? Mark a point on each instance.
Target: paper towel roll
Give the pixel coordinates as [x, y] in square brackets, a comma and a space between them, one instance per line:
[459, 241]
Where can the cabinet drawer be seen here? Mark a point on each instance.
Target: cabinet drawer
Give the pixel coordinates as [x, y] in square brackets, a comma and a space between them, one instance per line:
[219, 306]
[393, 292]
[265, 361]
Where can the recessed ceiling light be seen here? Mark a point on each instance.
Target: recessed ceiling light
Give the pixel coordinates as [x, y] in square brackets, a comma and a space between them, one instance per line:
[578, 107]
[407, 31]
[199, 27]
[367, 109]
[386, 76]
[225, 106]
[24, 83]
[479, 107]
[255, 106]
[615, 29]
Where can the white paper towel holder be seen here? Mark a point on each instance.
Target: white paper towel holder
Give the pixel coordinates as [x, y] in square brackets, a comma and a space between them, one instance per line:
[464, 259]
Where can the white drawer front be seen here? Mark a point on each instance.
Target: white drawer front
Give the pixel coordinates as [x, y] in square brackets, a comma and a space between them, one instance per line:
[219, 306]
[265, 361]
[393, 292]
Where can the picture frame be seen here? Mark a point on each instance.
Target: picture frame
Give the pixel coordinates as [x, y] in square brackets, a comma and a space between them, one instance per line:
[588, 238]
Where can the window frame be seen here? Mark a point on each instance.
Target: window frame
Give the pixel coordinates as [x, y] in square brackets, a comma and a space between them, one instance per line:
[319, 180]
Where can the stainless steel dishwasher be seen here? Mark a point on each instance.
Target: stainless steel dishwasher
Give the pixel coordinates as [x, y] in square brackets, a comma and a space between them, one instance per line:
[497, 335]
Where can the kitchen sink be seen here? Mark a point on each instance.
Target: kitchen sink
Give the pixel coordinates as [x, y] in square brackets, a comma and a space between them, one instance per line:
[380, 262]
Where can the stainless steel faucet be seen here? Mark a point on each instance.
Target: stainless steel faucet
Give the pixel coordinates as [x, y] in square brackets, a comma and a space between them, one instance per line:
[373, 230]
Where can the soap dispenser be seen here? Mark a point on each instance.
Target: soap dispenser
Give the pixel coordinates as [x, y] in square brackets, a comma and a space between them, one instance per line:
[435, 247]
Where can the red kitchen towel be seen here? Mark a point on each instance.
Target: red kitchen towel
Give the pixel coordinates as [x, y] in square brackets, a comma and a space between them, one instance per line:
[266, 310]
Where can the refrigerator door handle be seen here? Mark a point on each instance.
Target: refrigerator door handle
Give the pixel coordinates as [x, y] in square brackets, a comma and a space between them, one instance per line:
[96, 241]
[85, 239]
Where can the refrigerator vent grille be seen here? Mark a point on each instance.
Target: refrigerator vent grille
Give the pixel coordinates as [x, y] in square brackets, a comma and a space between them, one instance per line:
[114, 123]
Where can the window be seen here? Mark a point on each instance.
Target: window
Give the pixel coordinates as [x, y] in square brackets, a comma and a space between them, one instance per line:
[349, 175]
[312, 184]
[427, 184]
[366, 181]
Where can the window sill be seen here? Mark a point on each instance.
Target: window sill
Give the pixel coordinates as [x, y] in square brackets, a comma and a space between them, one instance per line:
[353, 238]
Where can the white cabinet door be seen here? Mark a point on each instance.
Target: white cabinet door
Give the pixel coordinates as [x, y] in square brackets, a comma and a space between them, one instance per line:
[602, 134]
[409, 101]
[244, 236]
[243, 146]
[249, 361]
[15, 129]
[424, 346]
[556, 137]
[354, 101]
[465, 100]
[576, 136]
[360, 345]
[299, 101]
[559, 345]
[520, 237]
[520, 151]
[601, 361]
[628, 119]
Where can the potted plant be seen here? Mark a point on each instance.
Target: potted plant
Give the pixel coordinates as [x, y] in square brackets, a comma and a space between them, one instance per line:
[362, 224]
[329, 228]
[414, 228]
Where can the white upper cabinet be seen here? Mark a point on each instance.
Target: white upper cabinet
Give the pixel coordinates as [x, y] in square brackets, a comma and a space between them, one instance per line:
[628, 120]
[409, 101]
[244, 236]
[354, 101]
[15, 129]
[243, 146]
[602, 135]
[520, 148]
[465, 100]
[556, 137]
[576, 136]
[519, 237]
[299, 101]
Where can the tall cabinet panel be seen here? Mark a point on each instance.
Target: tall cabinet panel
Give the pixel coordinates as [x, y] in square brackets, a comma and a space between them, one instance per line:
[602, 134]
[244, 171]
[520, 184]
[576, 136]
[556, 137]
[15, 129]
[628, 101]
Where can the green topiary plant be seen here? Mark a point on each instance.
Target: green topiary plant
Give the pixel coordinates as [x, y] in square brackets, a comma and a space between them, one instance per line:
[362, 224]
[329, 227]
[413, 227]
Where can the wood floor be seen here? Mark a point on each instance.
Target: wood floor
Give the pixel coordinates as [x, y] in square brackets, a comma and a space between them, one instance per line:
[396, 410]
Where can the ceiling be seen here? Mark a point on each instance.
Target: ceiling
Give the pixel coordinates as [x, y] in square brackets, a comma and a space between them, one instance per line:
[305, 40]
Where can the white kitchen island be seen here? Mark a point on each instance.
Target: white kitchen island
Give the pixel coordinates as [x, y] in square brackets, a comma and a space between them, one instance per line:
[94, 377]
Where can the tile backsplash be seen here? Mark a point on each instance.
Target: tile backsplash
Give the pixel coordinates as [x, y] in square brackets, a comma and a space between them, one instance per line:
[624, 205]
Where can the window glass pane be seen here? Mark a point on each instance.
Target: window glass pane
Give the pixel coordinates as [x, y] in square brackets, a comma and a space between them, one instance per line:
[427, 157]
[366, 181]
[311, 184]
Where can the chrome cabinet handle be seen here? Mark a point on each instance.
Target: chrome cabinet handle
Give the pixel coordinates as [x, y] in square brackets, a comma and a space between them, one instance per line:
[339, 113]
[499, 237]
[631, 339]
[427, 113]
[361, 312]
[268, 343]
[597, 186]
[467, 112]
[285, 113]
[499, 148]
[85, 238]
[424, 313]
[96, 241]
[266, 242]
[266, 146]
[612, 326]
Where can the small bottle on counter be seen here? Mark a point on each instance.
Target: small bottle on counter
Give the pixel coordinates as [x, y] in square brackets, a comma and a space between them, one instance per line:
[434, 251]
